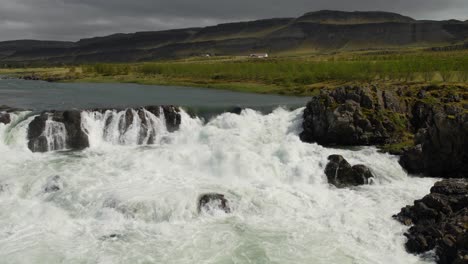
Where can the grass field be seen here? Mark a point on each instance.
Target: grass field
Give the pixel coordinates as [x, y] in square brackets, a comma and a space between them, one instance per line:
[293, 75]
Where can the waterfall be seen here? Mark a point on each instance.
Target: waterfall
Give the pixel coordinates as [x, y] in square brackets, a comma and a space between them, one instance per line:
[127, 127]
[56, 135]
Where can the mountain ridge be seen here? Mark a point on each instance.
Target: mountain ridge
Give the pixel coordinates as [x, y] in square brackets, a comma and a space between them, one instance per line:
[317, 31]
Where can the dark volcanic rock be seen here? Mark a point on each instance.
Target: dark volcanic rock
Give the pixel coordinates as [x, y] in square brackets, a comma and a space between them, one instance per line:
[126, 121]
[213, 201]
[37, 142]
[441, 147]
[173, 118]
[5, 111]
[351, 116]
[5, 118]
[430, 133]
[341, 174]
[440, 221]
[76, 137]
[236, 110]
[112, 237]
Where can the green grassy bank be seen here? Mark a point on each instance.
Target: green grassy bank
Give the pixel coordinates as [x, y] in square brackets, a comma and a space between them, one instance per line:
[294, 76]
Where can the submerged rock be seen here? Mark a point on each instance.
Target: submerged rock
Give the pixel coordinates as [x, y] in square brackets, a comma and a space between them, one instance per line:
[341, 174]
[111, 237]
[3, 188]
[213, 201]
[53, 184]
[440, 222]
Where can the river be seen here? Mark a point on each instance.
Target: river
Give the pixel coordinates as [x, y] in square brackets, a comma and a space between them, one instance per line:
[120, 202]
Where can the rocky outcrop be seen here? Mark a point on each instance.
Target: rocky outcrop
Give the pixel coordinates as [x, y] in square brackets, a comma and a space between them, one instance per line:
[427, 125]
[213, 201]
[5, 118]
[353, 115]
[441, 143]
[341, 174]
[439, 221]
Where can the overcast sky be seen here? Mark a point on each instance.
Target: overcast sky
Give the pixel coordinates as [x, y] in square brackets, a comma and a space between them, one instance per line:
[75, 19]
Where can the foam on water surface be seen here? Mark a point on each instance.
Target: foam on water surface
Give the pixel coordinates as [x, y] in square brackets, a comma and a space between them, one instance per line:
[121, 202]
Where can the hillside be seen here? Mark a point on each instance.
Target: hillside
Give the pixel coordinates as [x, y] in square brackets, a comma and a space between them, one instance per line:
[313, 32]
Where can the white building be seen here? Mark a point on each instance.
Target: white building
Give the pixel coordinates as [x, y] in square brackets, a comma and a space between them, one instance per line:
[259, 55]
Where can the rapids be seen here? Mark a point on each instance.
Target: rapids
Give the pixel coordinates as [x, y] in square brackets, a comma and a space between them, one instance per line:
[121, 202]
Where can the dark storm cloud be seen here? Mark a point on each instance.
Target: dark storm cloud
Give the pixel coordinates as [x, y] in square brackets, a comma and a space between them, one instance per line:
[73, 19]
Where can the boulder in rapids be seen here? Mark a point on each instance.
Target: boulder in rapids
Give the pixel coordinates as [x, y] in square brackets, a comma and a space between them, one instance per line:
[440, 222]
[76, 138]
[37, 142]
[341, 174]
[213, 201]
[112, 237]
[5, 118]
[236, 110]
[173, 117]
[53, 184]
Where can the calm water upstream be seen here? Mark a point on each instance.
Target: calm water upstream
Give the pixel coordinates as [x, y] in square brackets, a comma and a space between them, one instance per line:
[120, 202]
[43, 95]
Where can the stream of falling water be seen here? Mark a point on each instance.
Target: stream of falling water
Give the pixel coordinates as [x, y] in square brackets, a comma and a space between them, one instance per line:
[126, 201]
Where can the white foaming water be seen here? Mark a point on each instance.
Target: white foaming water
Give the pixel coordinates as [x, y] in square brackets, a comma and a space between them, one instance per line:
[56, 135]
[111, 127]
[138, 204]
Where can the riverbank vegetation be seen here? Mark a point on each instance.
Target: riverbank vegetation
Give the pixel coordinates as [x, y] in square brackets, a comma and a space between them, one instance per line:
[294, 75]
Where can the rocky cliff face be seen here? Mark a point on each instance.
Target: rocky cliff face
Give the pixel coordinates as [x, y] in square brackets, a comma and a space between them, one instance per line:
[354, 115]
[427, 124]
[441, 144]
